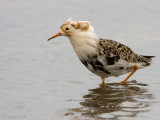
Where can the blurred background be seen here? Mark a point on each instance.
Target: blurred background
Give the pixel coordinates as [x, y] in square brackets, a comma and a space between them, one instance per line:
[41, 80]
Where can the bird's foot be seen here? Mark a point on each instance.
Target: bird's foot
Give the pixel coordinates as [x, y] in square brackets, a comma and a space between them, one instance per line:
[102, 84]
[103, 81]
[123, 82]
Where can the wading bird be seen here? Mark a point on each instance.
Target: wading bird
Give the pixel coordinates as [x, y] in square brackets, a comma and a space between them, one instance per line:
[103, 57]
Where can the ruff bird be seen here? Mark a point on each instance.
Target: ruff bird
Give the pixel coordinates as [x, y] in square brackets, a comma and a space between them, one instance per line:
[103, 57]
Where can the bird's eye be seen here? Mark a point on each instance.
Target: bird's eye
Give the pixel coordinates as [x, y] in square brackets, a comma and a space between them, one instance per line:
[67, 28]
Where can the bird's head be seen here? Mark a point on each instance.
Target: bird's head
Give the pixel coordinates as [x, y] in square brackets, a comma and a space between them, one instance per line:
[70, 28]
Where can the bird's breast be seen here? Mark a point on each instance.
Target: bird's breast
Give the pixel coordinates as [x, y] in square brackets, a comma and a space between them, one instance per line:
[84, 47]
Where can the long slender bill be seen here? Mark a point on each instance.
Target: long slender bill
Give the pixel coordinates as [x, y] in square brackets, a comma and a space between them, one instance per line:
[54, 36]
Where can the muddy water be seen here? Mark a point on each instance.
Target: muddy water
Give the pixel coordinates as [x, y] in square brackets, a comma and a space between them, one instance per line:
[42, 80]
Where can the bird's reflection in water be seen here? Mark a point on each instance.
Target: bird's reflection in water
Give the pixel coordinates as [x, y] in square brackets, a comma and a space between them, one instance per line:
[114, 100]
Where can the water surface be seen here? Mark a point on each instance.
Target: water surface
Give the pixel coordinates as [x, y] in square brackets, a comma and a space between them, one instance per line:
[41, 80]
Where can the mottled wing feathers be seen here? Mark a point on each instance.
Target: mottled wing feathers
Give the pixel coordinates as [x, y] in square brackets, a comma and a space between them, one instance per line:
[115, 51]
[111, 48]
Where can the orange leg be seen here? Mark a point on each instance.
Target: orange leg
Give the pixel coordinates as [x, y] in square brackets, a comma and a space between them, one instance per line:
[103, 81]
[134, 70]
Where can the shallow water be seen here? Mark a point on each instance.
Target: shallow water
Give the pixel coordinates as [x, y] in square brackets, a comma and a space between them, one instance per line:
[41, 80]
[115, 101]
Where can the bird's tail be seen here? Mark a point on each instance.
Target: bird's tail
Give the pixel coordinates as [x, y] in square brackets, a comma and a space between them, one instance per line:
[147, 59]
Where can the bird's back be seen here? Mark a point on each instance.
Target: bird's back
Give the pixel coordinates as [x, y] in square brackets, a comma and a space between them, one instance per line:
[115, 51]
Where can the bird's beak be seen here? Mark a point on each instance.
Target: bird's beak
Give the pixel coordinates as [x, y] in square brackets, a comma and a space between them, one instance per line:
[54, 36]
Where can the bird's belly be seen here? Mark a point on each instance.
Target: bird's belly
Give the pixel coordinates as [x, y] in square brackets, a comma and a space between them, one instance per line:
[111, 72]
[103, 70]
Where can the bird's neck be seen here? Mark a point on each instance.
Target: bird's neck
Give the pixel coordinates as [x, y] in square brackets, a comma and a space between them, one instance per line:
[84, 44]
